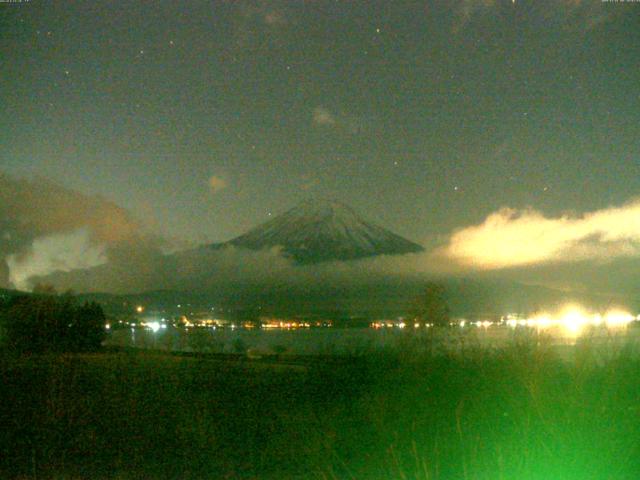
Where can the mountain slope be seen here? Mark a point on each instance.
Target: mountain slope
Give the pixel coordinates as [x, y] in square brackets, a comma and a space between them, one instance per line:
[323, 230]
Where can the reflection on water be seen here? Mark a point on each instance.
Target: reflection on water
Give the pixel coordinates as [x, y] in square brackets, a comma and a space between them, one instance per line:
[573, 321]
[341, 341]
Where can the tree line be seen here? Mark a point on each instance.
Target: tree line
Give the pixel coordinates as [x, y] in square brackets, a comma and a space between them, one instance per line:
[48, 322]
[432, 306]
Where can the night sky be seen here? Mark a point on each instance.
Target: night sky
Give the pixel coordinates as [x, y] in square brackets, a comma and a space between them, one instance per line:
[203, 119]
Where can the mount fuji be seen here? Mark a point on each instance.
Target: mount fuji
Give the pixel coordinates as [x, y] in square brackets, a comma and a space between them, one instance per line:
[323, 230]
[309, 234]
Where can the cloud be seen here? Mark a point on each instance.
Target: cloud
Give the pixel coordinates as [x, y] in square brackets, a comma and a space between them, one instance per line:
[323, 117]
[577, 15]
[274, 17]
[209, 269]
[55, 235]
[58, 252]
[343, 122]
[217, 184]
[258, 25]
[45, 227]
[270, 13]
[512, 238]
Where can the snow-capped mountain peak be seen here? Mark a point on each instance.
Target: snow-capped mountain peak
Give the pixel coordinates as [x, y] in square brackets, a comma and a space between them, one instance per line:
[320, 230]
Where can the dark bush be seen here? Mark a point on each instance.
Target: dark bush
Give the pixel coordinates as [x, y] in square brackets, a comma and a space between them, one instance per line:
[432, 307]
[39, 323]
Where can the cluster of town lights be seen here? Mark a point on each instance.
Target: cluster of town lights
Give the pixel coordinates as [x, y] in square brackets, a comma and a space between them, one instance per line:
[397, 324]
[286, 324]
[573, 320]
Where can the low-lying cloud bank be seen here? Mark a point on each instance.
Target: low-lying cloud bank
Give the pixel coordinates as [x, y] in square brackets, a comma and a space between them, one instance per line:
[51, 234]
[206, 269]
[45, 227]
[516, 238]
[57, 252]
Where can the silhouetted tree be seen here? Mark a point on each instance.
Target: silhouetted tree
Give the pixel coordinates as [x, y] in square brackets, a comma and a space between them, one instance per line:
[87, 331]
[38, 323]
[431, 306]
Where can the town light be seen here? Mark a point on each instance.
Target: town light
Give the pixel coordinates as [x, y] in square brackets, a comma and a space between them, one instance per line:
[154, 326]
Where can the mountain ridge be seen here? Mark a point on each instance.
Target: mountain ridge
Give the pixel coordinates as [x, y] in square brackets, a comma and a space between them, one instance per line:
[320, 230]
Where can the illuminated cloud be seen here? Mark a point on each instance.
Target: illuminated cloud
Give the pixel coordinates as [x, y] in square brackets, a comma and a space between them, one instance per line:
[45, 227]
[510, 238]
[217, 184]
[270, 13]
[59, 252]
[322, 116]
[341, 121]
[275, 17]
[253, 22]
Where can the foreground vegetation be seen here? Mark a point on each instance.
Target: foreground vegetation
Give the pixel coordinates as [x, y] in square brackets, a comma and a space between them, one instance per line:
[47, 322]
[517, 413]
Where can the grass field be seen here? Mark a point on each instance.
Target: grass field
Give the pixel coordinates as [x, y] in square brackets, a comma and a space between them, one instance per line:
[517, 413]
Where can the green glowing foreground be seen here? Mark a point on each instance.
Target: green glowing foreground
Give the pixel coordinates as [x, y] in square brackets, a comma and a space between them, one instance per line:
[520, 413]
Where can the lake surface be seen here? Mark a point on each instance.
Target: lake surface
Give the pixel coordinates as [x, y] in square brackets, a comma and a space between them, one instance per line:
[342, 341]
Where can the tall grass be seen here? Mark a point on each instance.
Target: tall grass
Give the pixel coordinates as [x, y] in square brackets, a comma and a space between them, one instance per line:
[411, 412]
